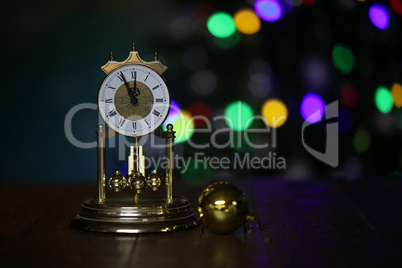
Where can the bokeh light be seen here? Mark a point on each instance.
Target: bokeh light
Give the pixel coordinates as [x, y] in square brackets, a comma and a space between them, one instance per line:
[221, 25]
[184, 126]
[345, 120]
[309, 2]
[396, 90]
[396, 6]
[246, 21]
[379, 16]
[239, 115]
[381, 123]
[349, 96]
[361, 140]
[202, 12]
[312, 108]
[275, 112]
[343, 58]
[203, 82]
[398, 118]
[202, 114]
[383, 99]
[173, 113]
[315, 73]
[287, 5]
[228, 42]
[268, 10]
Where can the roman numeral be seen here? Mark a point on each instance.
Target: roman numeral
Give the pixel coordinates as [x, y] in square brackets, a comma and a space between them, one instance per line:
[109, 86]
[146, 78]
[146, 122]
[155, 112]
[121, 79]
[159, 100]
[134, 74]
[134, 125]
[112, 113]
[108, 101]
[155, 87]
[121, 123]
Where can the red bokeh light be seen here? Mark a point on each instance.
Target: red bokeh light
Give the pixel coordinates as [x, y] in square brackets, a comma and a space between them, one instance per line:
[308, 2]
[201, 12]
[201, 113]
[396, 6]
[349, 96]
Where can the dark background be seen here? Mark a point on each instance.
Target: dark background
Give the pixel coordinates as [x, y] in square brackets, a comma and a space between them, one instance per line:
[52, 52]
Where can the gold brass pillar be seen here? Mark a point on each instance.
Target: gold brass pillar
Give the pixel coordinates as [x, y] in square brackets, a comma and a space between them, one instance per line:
[170, 162]
[101, 159]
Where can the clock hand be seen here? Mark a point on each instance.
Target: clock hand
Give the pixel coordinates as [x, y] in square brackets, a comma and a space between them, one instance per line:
[133, 99]
[136, 91]
[126, 84]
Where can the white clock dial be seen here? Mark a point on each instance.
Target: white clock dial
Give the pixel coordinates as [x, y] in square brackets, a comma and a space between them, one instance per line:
[134, 100]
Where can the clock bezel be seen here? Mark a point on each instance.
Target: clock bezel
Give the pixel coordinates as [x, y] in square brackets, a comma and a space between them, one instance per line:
[163, 80]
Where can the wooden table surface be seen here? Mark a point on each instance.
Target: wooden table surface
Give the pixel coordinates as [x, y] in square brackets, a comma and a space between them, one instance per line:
[300, 224]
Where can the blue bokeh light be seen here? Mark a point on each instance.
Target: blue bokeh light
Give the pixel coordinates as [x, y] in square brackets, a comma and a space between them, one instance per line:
[379, 16]
[268, 10]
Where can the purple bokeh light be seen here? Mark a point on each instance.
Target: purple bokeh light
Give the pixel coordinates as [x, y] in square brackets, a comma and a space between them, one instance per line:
[316, 73]
[312, 108]
[268, 10]
[379, 16]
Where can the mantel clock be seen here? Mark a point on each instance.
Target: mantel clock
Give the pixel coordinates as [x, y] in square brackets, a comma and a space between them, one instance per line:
[134, 101]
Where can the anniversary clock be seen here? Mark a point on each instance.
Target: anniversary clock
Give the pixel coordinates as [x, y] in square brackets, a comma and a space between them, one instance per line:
[134, 101]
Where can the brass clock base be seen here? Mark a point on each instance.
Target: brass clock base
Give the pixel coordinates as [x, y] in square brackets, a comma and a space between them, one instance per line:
[121, 215]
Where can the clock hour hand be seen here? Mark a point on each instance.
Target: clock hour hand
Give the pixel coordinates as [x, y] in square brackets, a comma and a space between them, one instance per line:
[136, 91]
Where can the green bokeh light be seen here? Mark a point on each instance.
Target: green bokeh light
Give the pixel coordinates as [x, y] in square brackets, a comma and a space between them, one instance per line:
[228, 42]
[343, 58]
[383, 99]
[197, 173]
[361, 141]
[239, 115]
[398, 118]
[221, 25]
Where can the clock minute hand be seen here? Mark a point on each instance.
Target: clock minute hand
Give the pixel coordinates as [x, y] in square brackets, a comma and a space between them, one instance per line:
[126, 84]
[133, 99]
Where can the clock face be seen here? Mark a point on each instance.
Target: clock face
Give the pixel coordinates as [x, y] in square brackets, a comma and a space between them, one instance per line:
[134, 100]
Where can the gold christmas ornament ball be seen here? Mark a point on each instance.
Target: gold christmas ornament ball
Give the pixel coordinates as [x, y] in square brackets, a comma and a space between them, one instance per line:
[222, 207]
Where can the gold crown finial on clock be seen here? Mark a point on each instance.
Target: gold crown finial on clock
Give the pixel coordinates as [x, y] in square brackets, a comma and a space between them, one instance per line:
[134, 58]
